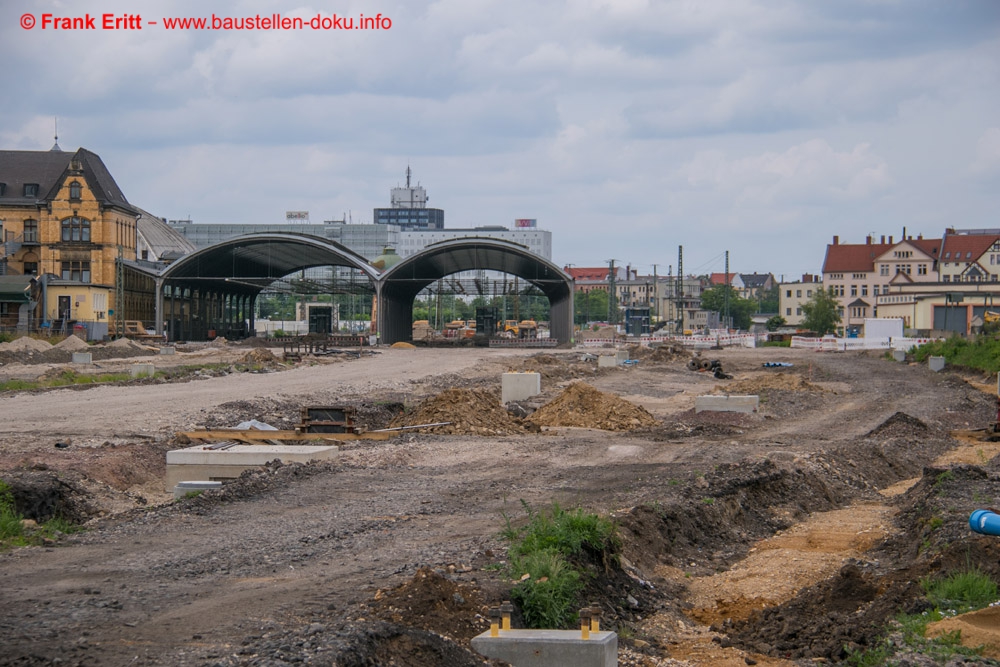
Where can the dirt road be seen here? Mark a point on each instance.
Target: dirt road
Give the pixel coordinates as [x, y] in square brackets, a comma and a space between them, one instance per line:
[285, 568]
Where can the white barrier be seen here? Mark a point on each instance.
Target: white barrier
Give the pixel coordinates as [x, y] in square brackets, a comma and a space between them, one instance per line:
[832, 344]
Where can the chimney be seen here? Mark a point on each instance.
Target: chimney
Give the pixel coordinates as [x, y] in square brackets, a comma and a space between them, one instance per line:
[890, 240]
[836, 240]
[868, 240]
[807, 278]
[883, 239]
[920, 237]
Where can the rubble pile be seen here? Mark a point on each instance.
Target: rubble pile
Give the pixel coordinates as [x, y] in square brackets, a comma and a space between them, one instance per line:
[781, 381]
[470, 411]
[25, 344]
[583, 406]
[553, 368]
[658, 353]
[260, 356]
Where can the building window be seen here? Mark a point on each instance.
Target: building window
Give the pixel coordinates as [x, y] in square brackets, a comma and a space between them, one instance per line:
[788, 294]
[809, 293]
[30, 231]
[883, 269]
[74, 190]
[798, 311]
[854, 290]
[31, 268]
[874, 290]
[946, 278]
[921, 269]
[864, 290]
[31, 189]
[79, 271]
[798, 294]
[76, 229]
[788, 311]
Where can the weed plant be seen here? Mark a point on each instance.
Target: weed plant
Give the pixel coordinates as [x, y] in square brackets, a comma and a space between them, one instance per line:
[542, 554]
[982, 353]
[12, 530]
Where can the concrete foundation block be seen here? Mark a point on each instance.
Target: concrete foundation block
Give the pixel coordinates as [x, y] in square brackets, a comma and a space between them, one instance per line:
[83, 358]
[202, 463]
[549, 648]
[936, 364]
[621, 356]
[169, 349]
[726, 403]
[607, 361]
[184, 488]
[141, 370]
[519, 386]
[899, 355]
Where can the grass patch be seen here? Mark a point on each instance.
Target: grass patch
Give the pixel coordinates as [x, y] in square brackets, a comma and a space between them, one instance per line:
[65, 379]
[775, 343]
[542, 555]
[13, 532]
[982, 353]
[959, 592]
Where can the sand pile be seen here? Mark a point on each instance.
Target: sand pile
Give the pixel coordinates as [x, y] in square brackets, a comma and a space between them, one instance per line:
[402, 345]
[755, 385]
[660, 353]
[470, 411]
[126, 343]
[259, 355]
[582, 405]
[25, 344]
[72, 344]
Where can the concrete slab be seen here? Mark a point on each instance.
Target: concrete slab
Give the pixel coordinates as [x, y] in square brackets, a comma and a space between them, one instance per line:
[139, 370]
[899, 355]
[621, 356]
[203, 463]
[607, 361]
[549, 648]
[936, 364]
[83, 358]
[726, 403]
[519, 386]
[169, 349]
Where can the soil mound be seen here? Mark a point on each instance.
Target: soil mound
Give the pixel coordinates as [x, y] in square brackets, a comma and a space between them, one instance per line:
[401, 345]
[25, 344]
[389, 644]
[555, 368]
[583, 406]
[125, 343]
[72, 344]
[470, 411]
[432, 602]
[899, 424]
[660, 353]
[259, 355]
[781, 381]
[41, 496]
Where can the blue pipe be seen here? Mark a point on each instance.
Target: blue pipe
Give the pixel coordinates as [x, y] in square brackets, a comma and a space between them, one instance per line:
[985, 522]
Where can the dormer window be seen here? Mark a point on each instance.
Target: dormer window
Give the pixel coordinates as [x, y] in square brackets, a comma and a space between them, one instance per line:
[74, 190]
[31, 189]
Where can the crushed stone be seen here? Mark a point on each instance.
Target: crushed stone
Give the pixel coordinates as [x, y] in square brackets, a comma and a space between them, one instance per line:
[470, 411]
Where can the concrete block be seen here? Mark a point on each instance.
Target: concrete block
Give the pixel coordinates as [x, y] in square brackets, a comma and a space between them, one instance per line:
[549, 648]
[201, 463]
[607, 361]
[899, 355]
[169, 349]
[83, 358]
[621, 356]
[139, 370]
[726, 403]
[936, 364]
[519, 386]
[184, 488]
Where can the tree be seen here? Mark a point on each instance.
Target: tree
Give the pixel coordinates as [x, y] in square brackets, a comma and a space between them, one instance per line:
[822, 313]
[775, 323]
[740, 309]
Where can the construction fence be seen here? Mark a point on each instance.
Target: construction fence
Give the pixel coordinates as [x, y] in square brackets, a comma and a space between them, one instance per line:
[834, 344]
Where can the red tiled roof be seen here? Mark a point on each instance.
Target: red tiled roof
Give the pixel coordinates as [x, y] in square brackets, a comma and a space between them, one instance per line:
[853, 257]
[720, 278]
[968, 246]
[583, 273]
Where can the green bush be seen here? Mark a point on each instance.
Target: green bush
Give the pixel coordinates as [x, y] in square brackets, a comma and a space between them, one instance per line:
[545, 549]
[983, 353]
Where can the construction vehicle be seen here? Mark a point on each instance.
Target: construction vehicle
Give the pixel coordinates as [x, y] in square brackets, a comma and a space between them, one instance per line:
[527, 329]
[990, 317]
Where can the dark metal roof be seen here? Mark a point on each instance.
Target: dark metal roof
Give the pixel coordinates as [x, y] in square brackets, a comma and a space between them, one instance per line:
[16, 288]
[264, 257]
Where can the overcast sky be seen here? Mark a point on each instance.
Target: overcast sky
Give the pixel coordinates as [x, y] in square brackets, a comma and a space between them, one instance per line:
[626, 127]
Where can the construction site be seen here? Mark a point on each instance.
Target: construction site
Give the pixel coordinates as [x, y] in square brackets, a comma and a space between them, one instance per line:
[770, 506]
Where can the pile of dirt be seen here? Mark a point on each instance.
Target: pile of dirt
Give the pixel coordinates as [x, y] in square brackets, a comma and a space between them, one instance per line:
[44, 495]
[72, 344]
[25, 344]
[402, 345]
[899, 424]
[658, 353]
[556, 368]
[432, 602]
[763, 383]
[259, 356]
[469, 411]
[583, 406]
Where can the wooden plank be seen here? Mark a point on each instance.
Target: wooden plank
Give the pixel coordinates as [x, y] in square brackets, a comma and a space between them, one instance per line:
[264, 437]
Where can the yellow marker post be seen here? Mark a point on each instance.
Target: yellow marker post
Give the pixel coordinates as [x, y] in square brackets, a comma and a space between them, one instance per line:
[585, 623]
[595, 617]
[506, 609]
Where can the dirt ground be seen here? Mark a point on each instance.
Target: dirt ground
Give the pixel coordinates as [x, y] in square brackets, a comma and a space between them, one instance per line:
[789, 536]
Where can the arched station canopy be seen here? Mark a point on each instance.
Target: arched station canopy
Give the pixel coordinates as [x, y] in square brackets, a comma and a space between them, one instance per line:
[212, 289]
[399, 285]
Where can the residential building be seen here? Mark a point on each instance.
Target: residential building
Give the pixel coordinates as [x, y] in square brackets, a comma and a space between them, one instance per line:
[660, 294]
[970, 255]
[408, 209]
[64, 218]
[595, 277]
[792, 295]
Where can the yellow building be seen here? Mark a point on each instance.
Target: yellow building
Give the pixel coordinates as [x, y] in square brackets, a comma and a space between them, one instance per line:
[64, 219]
